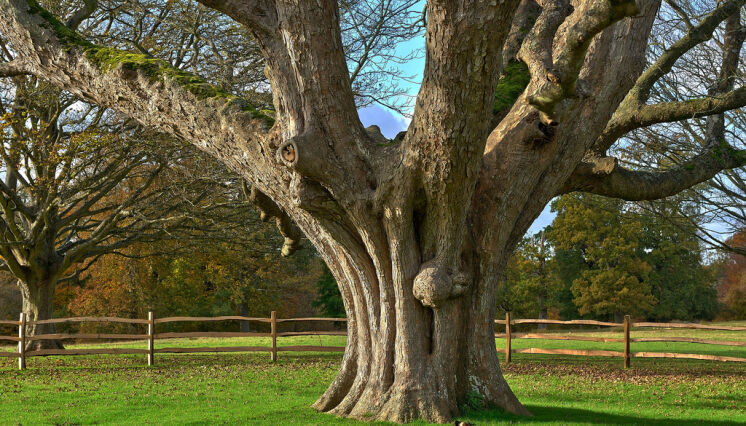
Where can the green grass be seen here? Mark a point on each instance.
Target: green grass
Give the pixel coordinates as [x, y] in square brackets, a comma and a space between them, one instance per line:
[249, 389]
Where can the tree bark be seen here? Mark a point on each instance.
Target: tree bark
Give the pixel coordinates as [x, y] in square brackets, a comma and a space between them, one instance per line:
[38, 305]
[404, 360]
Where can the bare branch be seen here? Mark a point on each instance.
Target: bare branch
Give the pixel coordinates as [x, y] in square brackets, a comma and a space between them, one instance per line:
[633, 113]
[80, 15]
[647, 115]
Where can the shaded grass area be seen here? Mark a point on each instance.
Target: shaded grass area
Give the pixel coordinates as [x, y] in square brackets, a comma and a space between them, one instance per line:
[249, 388]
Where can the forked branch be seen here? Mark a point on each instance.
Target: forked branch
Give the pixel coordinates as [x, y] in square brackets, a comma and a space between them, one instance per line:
[603, 176]
[561, 66]
[634, 113]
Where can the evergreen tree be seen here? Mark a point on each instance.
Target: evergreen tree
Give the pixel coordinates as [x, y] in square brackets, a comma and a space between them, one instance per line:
[619, 259]
[329, 299]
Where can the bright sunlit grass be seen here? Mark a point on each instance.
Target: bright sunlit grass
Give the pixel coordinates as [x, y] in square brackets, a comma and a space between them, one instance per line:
[250, 389]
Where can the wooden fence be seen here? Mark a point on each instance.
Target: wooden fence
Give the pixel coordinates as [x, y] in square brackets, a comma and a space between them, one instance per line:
[626, 325]
[151, 336]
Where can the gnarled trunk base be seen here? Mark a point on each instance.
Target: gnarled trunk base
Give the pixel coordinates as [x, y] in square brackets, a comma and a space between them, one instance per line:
[440, 368]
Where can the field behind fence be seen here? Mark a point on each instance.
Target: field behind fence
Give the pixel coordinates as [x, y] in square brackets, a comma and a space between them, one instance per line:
[152, 336]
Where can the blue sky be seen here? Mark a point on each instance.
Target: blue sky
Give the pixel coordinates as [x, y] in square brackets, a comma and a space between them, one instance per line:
[391, 122]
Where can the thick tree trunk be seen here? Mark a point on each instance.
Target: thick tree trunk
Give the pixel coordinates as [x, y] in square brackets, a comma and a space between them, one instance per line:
[438, 359]
[405, 360]
[38, 305]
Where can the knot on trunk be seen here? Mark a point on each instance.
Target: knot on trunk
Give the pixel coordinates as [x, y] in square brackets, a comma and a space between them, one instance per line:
[435, 284]
[307, 154]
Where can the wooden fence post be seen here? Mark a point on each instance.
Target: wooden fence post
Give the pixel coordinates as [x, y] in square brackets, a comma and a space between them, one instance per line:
[507, 338]
[273, 319]
[151, 338]
[22, 342]
[626, 340]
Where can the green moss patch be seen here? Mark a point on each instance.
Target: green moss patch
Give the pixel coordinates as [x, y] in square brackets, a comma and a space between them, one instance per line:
[511, 84]
[107, 59]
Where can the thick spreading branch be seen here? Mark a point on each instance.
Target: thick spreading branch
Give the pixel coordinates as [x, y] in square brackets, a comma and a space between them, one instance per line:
[464, 42]
[142, 87]
[603, 175]
[634, 113]
[606, 177]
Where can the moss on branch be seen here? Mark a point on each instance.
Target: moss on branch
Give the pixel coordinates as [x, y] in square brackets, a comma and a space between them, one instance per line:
[64, 34]
[512, 83]
[107, 59]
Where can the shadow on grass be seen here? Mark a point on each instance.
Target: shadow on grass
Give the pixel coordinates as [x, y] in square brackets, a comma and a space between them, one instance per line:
[563, 415]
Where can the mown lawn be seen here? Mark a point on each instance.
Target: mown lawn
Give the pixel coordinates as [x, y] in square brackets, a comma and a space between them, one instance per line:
[250, 389]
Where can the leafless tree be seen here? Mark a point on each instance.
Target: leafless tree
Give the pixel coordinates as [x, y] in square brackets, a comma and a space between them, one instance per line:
[416, 231]
[73, 191]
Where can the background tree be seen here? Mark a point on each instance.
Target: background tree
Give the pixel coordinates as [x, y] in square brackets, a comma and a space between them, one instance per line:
[220, 278]
[329, 299]
[10, 299]
[73, 190]
[633, 262]
[615, 279]
[569, 265]
[416, 231]
[732, 281]
[531, 282]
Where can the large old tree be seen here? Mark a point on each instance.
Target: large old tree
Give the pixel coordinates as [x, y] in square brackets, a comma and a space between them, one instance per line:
[417, 231]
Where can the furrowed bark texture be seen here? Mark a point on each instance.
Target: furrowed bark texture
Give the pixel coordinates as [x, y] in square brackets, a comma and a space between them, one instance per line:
[418, 233]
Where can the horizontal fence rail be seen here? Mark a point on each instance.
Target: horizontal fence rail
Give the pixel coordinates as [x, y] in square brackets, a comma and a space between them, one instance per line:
[89, 319]
[694, 326]
[151, 336]
[626, 354]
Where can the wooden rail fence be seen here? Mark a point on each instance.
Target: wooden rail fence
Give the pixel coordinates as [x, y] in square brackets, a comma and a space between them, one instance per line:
[627, 324]
[152, 335]
[152, 322]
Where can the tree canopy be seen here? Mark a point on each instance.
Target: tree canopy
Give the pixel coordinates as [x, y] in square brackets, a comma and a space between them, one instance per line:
[633, 262]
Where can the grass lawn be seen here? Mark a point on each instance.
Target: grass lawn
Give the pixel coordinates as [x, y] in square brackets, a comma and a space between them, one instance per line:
[249, 389]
